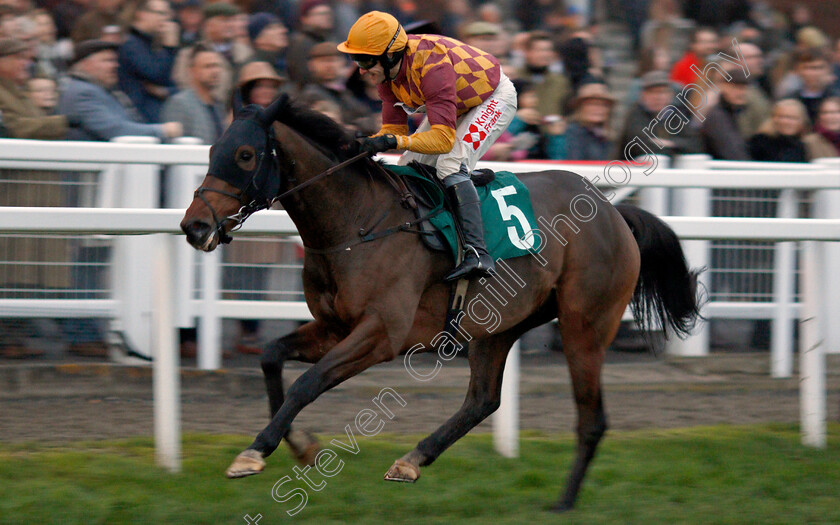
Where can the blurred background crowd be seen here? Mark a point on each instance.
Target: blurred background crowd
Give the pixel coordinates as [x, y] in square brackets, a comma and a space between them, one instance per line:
[167, 69]
[591, 76]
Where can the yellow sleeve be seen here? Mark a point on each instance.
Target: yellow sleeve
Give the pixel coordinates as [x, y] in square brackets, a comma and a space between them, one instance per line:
[392, 129]
[439, 139]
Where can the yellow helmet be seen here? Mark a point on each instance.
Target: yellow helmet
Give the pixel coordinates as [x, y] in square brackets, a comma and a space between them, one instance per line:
[375, 33]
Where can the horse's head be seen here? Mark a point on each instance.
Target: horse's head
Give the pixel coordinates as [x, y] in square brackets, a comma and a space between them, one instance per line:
[242, 176]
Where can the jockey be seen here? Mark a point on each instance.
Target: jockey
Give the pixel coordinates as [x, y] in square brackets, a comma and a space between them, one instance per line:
[467, 100]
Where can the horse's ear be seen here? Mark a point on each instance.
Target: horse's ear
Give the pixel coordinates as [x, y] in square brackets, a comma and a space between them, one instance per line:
[274, 110]
[236, 102]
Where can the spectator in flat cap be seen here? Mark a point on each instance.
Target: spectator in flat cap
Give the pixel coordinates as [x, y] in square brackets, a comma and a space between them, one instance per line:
[327, 69]
[269, 39]
[219, 32]
[147, 57]
[21, 118]
[642, 121]
[720, 134]
[91, 98]
[316, 26]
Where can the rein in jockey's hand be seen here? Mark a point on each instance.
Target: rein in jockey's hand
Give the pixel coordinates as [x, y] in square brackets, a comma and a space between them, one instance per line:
[374, 145]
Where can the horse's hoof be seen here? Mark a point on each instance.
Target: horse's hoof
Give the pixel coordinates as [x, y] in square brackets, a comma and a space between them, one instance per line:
[402, 471]
[247, 463]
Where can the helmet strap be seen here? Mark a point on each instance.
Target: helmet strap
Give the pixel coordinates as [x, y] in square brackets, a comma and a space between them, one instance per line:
[388, 63]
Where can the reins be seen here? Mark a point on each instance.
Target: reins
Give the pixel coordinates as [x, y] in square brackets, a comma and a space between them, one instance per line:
[318, 177]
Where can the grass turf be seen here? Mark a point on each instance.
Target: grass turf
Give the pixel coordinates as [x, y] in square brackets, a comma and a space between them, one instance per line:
[722, 474]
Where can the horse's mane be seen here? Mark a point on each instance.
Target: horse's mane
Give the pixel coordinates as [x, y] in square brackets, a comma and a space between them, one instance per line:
[319, 128]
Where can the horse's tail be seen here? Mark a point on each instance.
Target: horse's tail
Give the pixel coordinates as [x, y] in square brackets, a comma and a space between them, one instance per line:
[667, 289]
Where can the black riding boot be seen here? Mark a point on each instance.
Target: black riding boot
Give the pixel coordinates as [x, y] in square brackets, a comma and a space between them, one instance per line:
[468, 214]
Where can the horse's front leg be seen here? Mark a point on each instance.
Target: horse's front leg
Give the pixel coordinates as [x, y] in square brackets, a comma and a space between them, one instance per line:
[307, 344]
[487, 364]
[367, 345]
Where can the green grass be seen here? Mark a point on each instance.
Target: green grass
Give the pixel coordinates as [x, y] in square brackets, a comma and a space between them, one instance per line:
[750, 474]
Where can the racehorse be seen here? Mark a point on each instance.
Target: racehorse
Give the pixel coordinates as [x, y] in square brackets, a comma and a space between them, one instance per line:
[373, 301]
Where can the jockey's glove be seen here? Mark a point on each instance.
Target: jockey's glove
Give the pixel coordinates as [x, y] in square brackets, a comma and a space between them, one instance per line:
[373, 145]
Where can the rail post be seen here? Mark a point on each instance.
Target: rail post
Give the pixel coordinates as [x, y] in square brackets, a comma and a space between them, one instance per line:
[165, 376]
[782, 341]
[139, 187]
[506, 418]
[694, 202]
[811, 354]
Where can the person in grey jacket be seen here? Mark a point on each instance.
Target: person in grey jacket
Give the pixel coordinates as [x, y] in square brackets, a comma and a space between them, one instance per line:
[98, 110]
[197, 107]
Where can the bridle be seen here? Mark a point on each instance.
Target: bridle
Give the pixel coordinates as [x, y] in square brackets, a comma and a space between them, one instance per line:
[247, 209]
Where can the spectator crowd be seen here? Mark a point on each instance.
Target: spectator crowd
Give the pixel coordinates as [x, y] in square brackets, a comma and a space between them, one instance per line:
[98, 69]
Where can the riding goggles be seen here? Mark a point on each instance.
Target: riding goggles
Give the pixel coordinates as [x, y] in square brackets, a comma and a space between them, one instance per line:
[365, 61]
[368, 61]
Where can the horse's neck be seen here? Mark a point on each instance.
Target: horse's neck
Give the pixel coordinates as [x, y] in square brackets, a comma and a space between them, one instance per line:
[330, 211]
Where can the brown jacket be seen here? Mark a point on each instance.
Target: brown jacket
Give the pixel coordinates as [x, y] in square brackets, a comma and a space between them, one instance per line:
[24, 120]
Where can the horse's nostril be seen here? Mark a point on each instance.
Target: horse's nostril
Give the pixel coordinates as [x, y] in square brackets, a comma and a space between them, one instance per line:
[196, 231]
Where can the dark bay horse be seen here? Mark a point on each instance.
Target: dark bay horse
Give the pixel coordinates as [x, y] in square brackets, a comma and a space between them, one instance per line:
[373, 301]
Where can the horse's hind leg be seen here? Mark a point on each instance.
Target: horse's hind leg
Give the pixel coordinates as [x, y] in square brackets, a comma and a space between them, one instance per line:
[587, 329]
[585, 358]
[306, 344]
[487, 364]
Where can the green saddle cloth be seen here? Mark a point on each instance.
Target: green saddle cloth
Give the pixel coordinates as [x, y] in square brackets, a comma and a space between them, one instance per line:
[505, 209]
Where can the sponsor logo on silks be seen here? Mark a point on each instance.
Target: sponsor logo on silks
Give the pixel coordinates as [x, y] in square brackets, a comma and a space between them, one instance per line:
[480, 128]
[474, 136]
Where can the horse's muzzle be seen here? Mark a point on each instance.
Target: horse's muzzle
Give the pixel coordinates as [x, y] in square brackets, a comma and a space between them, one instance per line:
[200, 235]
